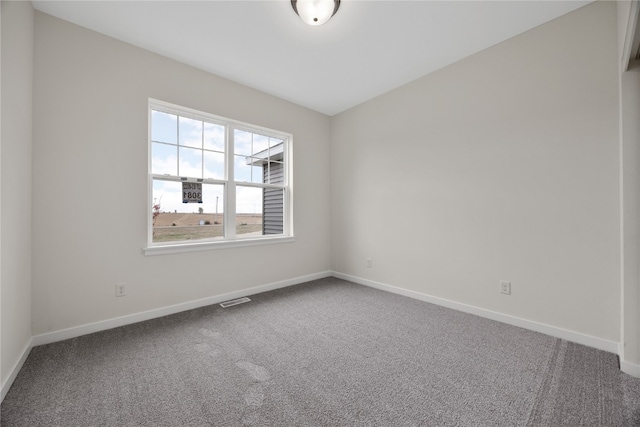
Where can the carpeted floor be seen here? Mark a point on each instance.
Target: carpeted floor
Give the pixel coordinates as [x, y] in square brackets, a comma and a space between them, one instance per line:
[325, 353]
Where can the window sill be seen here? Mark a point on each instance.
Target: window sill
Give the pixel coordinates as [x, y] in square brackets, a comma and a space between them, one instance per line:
[206, 246]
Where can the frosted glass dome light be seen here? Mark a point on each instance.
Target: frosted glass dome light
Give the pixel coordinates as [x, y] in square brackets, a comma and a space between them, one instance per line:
[315, 12]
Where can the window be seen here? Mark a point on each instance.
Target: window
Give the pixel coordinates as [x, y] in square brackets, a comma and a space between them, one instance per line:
[215, 182]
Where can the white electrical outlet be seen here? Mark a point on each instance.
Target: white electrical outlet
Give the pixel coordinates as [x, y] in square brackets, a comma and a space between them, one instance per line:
[369, 263]
[505, 288]
[121, 289]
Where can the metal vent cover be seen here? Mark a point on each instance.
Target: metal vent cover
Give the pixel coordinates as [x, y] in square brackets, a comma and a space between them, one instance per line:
[234, 302]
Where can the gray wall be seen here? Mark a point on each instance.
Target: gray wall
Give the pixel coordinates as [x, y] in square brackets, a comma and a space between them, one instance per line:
[503, 166]
[15, 175]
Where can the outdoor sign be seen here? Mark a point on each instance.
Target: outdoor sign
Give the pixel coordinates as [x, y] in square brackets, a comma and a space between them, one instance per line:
[191, 192]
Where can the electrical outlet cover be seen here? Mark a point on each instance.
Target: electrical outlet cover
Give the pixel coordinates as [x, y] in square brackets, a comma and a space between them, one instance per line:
[505, 288]
[121, 290]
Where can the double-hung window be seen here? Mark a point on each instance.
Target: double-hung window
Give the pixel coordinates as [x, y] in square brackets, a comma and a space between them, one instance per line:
[215, 182]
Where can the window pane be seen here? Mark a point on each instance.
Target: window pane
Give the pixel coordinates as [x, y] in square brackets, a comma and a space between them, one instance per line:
[164, 159]
[275, 141]
[248, 211]
[246, 171]
[260, 145]
[276, 149]
[214, 137]
[190, 162]
[176, 221]
[259, 211]
[213, 165]
[242, 142]
[273, 214]
[274, 173]
[190, 132]
[164, 127]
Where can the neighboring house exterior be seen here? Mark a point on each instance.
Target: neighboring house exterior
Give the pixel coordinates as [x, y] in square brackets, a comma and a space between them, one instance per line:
[272, 164]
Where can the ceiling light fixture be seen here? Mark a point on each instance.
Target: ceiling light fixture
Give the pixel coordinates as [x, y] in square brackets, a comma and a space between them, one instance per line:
[315, 12]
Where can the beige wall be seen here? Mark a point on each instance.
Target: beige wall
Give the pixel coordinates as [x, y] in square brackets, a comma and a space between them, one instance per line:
[15, 178]
[503, 166]
[90, 181]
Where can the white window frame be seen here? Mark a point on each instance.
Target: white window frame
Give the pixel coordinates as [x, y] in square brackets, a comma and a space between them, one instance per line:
[230, 238]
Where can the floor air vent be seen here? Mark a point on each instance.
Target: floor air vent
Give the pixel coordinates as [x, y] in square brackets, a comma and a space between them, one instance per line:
[234, 302]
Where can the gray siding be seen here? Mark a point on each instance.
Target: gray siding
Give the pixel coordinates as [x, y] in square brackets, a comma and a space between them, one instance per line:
[273, 200]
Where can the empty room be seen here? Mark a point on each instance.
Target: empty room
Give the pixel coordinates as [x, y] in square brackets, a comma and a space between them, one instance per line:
[320, 213]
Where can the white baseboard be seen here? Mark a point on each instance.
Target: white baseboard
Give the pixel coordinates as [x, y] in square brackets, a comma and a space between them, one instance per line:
[90, 328]
[553, 331]
[14, 371]
[630, 368]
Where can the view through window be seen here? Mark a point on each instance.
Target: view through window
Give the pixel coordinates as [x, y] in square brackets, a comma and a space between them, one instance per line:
[214, 179]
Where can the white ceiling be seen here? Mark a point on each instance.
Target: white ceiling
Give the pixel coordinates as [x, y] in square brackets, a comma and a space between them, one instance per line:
[366, 49]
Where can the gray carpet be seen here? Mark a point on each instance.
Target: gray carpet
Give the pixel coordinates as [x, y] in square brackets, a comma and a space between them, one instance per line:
[325, 353]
